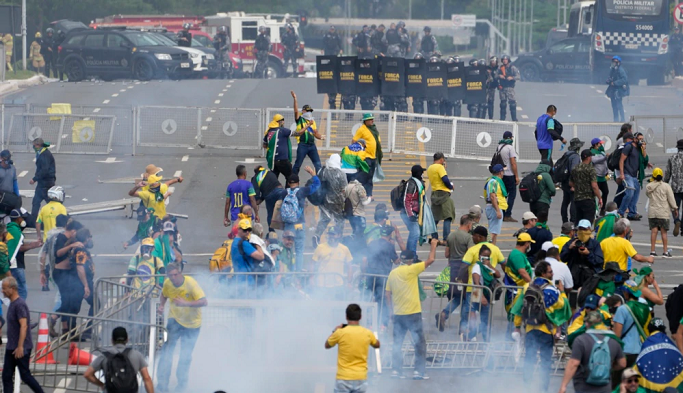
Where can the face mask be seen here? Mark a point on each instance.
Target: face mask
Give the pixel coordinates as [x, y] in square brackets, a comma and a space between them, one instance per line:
[156, 189]
[613, 310]
[36, 149]
[528, 249]
[333, 242]
[23, 224]
[584, 235]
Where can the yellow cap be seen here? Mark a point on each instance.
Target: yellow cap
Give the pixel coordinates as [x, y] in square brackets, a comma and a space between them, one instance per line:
[278, 117]
[148, 241]
[245, 224]
[525, 237]
[658, 172]
[38, 35]
[151, 179]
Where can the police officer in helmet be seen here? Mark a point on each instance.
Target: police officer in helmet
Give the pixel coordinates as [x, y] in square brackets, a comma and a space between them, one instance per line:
[418, 102]
[481, 108]
[221, 42]
[48, 52]
[473, 109]
[434, 104]
[332, 43]
[289, 40]
[446, 107]
[491, 84]
[617, 88]
[508, 75]
[262, 49]
[428, 45]
[184, 36]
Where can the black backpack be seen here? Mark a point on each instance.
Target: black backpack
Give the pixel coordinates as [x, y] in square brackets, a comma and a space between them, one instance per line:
[529, 189]
[615, 158]
[533, 308]
[497, 158]
[674, 308]
[397, 195]
[119, 374]
[561, 170]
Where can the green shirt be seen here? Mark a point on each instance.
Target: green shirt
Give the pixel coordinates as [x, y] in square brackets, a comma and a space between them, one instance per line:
[517, 260]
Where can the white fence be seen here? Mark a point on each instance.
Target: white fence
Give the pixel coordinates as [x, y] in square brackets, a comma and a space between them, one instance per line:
[661, 132]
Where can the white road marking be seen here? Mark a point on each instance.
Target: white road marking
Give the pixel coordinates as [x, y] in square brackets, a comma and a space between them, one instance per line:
[95, 110]
[217, 102]
[659, 144]
[213, 111]
[225, 89]
[231, 81]
[227, 86]
[110, 160]
[598, 91]
[525, 117]
[105, 101]
[519, 108]
[208, 119]
[137, 83]
[130, 87]
[115, 95]
[171, 190]
[592, 87]
[62, 385]
[185, 158]
[178, 173]
[122, 90]
[220, 94]
[23, 173]
[204, 128]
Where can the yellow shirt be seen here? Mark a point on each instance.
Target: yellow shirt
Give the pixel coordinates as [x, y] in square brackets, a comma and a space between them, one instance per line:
[370, 143]
[189, 317]
[435, 172]
[332, 260]
[352, 358]
[493, 186]
[149, 200]
[402, 283]
[472, 256]
[560, 241]
[48, 216]
[617, 249]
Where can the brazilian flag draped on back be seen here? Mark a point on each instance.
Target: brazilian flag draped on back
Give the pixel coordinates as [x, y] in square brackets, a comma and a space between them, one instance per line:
[660, 363]
[353, 157]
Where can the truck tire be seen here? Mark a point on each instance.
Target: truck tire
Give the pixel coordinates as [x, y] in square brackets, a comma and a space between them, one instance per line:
[143, 70]
[274, 70]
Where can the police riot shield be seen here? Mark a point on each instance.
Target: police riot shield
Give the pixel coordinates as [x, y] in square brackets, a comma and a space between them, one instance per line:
[475, 85]
[436, 81]
[367, 78]
[346, 83]
[455, 81]
[393, 74]
[416, 83]
[327, 74]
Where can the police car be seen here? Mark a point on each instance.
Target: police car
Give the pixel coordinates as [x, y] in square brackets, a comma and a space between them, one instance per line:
[566, 60]
[112, 54]
[199, 58]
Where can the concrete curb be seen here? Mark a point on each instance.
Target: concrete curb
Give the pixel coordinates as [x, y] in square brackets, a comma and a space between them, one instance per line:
[677, 82]
[11, 86]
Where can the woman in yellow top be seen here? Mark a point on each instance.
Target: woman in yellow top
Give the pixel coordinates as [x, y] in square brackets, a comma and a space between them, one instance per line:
[34, 53]
[373, 149]
[155, 195]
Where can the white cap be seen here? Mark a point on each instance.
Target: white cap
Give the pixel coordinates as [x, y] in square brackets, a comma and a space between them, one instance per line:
[529, 216]
[548, 245]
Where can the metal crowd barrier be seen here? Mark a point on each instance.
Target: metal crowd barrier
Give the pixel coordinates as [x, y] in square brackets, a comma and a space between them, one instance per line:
[661, 132]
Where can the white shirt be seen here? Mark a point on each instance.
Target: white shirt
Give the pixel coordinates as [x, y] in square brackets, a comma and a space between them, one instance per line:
[561, 272]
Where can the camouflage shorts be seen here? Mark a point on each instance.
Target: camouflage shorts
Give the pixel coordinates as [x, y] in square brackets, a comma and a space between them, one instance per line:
[507, 94]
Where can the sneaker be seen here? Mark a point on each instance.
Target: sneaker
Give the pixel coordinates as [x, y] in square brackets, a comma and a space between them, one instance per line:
[677, 228]
[653, 254]
[51, 323]
[509, 219]
[419, 377]
[396, 374]
[667, 255]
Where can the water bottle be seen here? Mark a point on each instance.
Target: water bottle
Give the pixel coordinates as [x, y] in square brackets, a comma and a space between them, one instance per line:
[562, 147]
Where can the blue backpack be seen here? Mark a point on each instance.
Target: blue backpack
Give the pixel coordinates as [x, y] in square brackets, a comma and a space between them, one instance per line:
[599, 363]
[291, 211]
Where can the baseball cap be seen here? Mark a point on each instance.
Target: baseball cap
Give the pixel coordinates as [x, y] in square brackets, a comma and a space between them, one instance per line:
[475, 210]
[386, 230]
[529, 216]
[567, 227]
[481, 231]
[169, 226]
[274, 247]
[507, 135]
[656, 324]
[288, 234]
[596, 141]
[17, 213]
[657, 172]
[525, 237]
[548, 245]
[584, 224]
[416, 171]
[408, 255]
[333, 231]
[5, 154]
[629, 372]
[592, 301]
[497, 168]
[586, 153]
[119, 334]
[293, 178]
[307, 108]
[245, 224]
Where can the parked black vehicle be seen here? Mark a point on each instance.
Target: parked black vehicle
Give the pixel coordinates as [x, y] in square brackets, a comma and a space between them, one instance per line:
[565, 60]
[112, 54]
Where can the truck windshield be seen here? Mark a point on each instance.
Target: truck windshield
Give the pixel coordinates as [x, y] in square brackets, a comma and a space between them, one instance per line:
[633, 7]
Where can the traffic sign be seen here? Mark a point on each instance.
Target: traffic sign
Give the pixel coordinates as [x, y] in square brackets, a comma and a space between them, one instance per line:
[230, 128]
[469, 20]
[34, 132]
[355, 128]
[678, 13]
[169, 126]
[86, 134]
[483, 139]
[424, 134]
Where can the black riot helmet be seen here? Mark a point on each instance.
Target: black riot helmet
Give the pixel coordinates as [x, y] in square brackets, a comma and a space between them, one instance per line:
[493, 61]
[473, 62]
[222, 29]
[505, 57]
[481, 62]
[451, 60]
[49, 30]
[401, 24]
[427, 29]
[418, 56]
[434, 59]
[456, 59]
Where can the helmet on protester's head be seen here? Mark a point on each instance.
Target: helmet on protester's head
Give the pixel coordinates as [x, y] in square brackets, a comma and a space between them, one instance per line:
[401, 24]
[56, 193]
[617, 58]
[262, 29]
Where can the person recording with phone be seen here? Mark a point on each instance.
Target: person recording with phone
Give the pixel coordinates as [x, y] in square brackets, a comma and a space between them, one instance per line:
[582, 254]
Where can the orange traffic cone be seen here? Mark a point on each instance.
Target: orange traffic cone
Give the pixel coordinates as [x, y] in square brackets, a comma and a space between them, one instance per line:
[79, 357]
[42, 343]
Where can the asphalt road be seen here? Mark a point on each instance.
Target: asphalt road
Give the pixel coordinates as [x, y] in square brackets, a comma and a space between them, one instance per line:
[208, 171]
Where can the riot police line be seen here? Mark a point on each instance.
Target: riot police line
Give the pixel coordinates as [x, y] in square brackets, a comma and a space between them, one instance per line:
[443, 85]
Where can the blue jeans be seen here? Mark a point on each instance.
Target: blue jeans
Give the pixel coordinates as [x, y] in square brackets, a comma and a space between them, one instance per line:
[617, 109]
[469, 306]
[511, 187]
[20, 275]
[39, 196]
[630, 200]
[413, 232]
[537, 340]
[409, 323]
[299, 238]
[344, 386]
[188, 339]
[302, 151]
